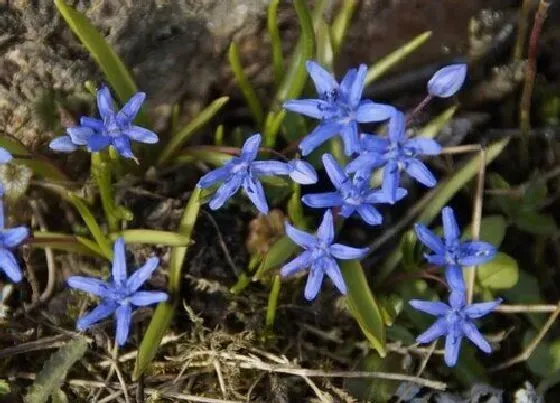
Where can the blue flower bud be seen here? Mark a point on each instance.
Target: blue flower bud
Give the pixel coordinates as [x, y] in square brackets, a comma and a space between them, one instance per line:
[447, 81]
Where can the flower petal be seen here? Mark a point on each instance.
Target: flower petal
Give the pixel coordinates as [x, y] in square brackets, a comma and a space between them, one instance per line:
[9, 264]
[379, 196]
[118, 270]
[420, 172]
[366, 160]
[481, 309]
[447, 81]
[347, 210]
[225, 191]
[141, 135]
[457, 299]
[454, 278]
[144, 298]
[452, 349]
[250, 149]
[313, 284]
[436, 260]
[80, 134]
[374, 144]
[105, 103]
[139, 277]
[301, 238]
[5, 156]
[255, 191]
[390, 184]
[324, 81]
[318, 136]
[429, 239]
[270, 168]
[350, 138]
[346, 252]
[122, 145]
[369, 214]
[357, 87]
[94, 123]
[129, 111]
[63, 144]
[313, 108]
[437, 329]
[12, 237]
[97, 142]
[96, 315]
[326, 229]
[333, 272]
[472, 333]
[451, 231]
[124, 316]
[474, 253]
[369, 111]
[424, 146]
[335, 172]
[322, 200]
[217, 175]
[302, 172]
[90, 285]
[299, 263]
[435, 308]
[346, 83]
[397, 127]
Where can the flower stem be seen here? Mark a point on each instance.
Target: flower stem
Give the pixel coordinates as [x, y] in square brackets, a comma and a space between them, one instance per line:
[101, 172]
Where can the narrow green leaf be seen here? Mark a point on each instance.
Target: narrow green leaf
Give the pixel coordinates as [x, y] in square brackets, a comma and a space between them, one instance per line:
[272, 126]
[393, 58]
[219, 135]
[116, 72]
[295, 207]
[281, 251]
[64, 242]
[155, 237]
[179, 139]
[536, 223]
[294, 80]
[194, 154]
[363, 305]
[275, 42]
[102, 175]
[436, 124]
[245, 86]
[165, 311]
[54, 371]
[501, 272]
[341, 23]
[272, 303]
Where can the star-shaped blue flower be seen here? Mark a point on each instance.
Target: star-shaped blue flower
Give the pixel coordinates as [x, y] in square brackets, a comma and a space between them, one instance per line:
[10, 238]
[243, 171]
[113, 129]
[118, 295]
[451, 252]
[352, 195]
[340, 108]
[397, 153]
[455, 321]
[319, 255]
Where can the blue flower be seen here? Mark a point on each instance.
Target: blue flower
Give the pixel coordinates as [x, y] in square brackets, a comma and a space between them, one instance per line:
[455, 321]
[10, 238]
[450, 252]
[397, 153]
[5, 156]
[119, 294]
[319, 255]
[352, 195]
[113, 129]
[447, 81]
[243, 171]
[340, 108]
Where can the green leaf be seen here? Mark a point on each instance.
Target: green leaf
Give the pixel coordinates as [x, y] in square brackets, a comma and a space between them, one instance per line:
[275, 42]
[101, 172]
[536, 223]
[116, 72]
[527, 291]
[393, 58]
[295, 207]
[4, 387]
[500, 273]
[435, 125]
[272, 127]
[363, 304]
[164, 312]
[64, 242]
[375, 390]
[54, 371]
[195, 154]
[294, 80]
[272, 303]
[278, 253]
[245, 86]
[155, 237]
[341, 23]
[545, 360]
[492, 230]
[179, 139]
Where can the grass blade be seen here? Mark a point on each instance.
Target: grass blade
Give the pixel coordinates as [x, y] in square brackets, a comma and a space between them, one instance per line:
[363, 305]
[386, 63]
[148, 236]
[245, 86]
[179, 139]
[165, 311]
[275, 41]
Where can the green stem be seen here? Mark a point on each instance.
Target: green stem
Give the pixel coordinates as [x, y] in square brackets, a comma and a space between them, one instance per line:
[101, 172]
